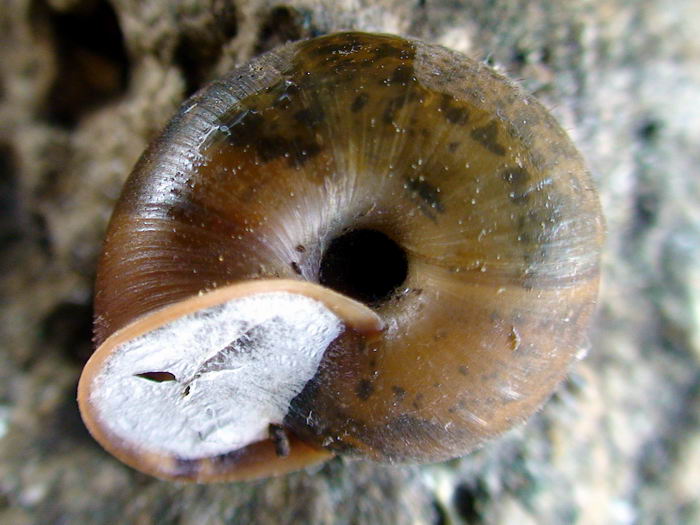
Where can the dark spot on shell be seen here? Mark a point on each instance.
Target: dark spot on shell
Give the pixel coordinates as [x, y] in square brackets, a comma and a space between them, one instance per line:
[295, 267]
[359, 102]
[429, 195]
[300, 248]
[364, 389]
[387, 50]
[463, 370]
[457, 116]
[249, 130]
[399, 393]
[394, 105]
[488, 136]
[452, 146]
[303, 152]
[402, 74]
[311, 116]
[515, 175]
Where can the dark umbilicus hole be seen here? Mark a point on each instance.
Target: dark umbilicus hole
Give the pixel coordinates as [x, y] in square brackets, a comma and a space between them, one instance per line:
[158, 377]
[364, 264]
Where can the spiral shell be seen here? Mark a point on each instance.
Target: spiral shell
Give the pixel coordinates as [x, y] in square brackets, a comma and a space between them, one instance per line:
[399, 173]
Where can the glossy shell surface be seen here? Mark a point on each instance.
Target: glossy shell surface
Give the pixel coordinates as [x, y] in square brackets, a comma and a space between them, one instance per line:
[472, 178]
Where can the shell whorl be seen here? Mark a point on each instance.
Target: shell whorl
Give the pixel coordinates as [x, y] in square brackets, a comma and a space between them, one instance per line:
[475, 182]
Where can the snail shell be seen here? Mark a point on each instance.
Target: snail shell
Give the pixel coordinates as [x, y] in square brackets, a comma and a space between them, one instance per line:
[450, 213]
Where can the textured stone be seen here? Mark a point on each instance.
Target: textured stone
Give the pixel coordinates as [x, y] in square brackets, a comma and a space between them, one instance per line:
[618, 443]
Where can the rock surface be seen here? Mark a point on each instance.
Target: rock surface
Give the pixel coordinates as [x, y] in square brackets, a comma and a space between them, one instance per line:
[619, 442]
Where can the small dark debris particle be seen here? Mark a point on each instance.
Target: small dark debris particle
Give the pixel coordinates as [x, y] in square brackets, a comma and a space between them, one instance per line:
[295, 267]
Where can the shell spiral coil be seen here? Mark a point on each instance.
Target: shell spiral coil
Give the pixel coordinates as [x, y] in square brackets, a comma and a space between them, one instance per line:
[357, 244]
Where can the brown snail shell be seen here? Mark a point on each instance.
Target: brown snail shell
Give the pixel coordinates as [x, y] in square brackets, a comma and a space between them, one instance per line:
[335, 162]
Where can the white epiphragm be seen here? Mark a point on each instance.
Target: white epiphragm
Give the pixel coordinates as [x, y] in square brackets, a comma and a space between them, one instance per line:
[236, 367]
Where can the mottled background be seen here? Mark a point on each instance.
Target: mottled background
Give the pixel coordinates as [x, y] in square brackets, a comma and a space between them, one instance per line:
[84, 84]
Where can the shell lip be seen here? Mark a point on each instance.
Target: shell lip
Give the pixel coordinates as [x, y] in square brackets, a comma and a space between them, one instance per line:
[255, 460]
